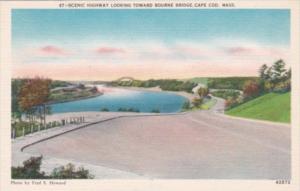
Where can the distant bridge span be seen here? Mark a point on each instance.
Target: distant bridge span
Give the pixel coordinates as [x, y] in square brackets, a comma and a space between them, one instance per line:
[125, 78]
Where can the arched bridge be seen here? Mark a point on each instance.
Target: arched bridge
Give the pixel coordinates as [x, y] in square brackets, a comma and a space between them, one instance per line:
[127, 78]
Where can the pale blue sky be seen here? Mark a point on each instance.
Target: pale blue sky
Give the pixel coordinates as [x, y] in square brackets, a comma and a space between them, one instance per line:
[147, 43]
[266, 26]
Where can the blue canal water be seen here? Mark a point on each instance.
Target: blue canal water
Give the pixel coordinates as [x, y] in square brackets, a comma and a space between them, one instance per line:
[144, 101]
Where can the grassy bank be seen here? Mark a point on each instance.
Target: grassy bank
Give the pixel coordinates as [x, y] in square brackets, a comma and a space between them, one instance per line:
[209, 104]
[65, 95]
[201, 80]
[271, 107]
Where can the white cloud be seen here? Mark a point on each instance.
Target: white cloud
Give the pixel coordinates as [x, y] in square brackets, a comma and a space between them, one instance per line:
[155, 58]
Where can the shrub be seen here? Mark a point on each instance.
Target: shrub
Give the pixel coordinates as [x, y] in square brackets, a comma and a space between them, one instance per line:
[268, 86]
[128, 110]
[282, 87]
[251, 89]
[31, 170]
[155, 111]
[197, 102]
[105, 109]
[186, 105]
[225, 94]
[133, 110]
[231, 102]
[122, 109]
[69, 172]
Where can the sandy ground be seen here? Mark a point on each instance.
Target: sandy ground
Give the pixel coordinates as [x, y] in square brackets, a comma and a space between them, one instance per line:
[195, 145]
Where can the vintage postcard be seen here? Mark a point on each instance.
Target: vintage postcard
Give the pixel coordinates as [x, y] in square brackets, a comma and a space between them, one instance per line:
[150, 95]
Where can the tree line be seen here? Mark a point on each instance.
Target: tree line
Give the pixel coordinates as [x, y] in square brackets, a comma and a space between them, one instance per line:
[274, 78]
[234, 83]
[164, 84]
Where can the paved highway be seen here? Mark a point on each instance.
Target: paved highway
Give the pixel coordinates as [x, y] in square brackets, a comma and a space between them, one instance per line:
[195, 145]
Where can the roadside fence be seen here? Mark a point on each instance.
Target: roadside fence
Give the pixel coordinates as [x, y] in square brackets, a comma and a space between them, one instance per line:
[23, 128]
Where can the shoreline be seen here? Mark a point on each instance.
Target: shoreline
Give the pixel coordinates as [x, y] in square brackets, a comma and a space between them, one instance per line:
[74, 99]
[187, 95]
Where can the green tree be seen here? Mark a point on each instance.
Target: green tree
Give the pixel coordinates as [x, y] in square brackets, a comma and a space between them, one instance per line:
[203, 92]
[288, 74]
[263, 72]
[274, 78]
[278, 71]
[34, 95]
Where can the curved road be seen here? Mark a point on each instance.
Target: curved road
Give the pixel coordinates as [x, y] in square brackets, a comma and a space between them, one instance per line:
[195, 145]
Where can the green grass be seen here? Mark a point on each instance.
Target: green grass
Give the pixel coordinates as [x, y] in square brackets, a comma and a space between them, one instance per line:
[63, 96]
[207, 105]
[271, 107]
